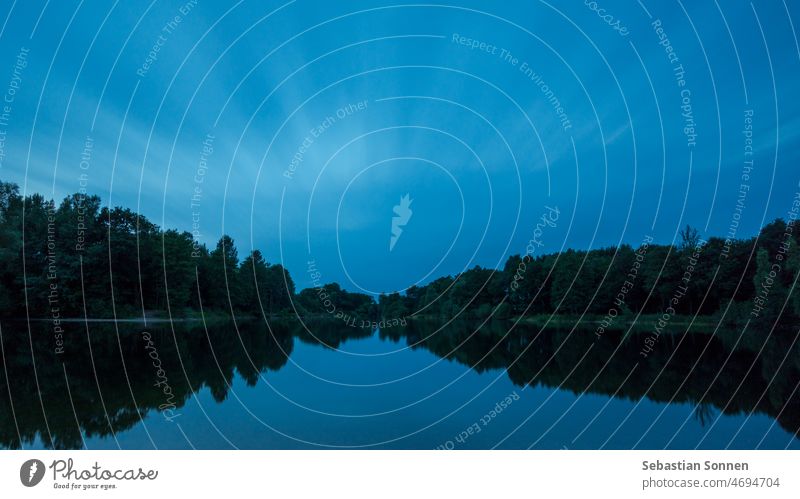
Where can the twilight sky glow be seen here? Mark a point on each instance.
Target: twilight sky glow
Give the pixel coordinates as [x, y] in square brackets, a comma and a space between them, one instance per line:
[297, 127]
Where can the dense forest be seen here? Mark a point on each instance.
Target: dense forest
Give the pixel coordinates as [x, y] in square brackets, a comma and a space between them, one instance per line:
[80, 258]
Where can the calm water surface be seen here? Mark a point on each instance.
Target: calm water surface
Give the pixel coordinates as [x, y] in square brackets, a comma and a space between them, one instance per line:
[417, 387]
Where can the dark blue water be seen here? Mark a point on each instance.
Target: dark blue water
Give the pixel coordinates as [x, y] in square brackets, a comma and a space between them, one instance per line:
[284, 389]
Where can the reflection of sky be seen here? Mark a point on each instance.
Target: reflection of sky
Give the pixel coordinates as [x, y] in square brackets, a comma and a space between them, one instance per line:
[442, 122]
[263, 416]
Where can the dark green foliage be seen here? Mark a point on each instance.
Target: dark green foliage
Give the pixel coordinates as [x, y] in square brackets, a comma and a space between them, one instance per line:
[329, 299]
[80, 258]
[707, 278]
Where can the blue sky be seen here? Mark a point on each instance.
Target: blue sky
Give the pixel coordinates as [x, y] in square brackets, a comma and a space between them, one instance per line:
[403, 102]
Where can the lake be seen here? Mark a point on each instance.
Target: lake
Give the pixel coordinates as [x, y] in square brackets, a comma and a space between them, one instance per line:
[426, 385]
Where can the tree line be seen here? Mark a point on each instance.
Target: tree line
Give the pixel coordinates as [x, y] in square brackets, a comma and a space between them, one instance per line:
[79, 257]
[745, 279]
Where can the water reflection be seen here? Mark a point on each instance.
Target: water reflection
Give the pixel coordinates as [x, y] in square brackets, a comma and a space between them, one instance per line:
[109, 377]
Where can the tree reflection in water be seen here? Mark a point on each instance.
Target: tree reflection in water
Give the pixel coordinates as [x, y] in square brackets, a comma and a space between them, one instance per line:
[114, 380]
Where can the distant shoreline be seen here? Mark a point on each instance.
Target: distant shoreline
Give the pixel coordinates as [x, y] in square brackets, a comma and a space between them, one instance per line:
[540, 319]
